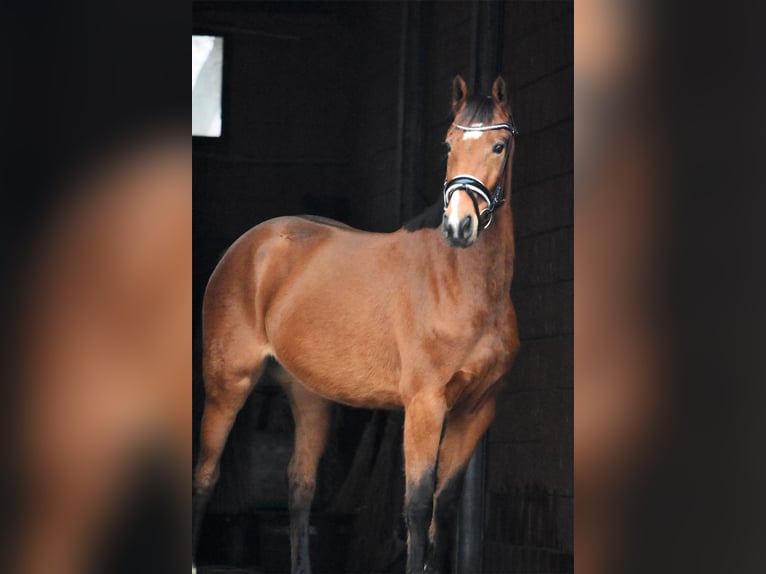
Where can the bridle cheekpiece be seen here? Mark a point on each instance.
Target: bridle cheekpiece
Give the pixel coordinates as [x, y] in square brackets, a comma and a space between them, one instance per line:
[475, 187]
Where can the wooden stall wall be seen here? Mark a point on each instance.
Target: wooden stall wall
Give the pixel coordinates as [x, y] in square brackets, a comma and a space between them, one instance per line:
[529, 491]
[376, 30]
[340, 109]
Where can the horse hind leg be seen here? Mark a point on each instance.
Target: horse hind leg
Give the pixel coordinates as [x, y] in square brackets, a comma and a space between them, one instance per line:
[312, 415]
[227, 389]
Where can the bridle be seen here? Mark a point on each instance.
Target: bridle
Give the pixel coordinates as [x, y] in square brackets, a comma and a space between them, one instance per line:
[472, 186]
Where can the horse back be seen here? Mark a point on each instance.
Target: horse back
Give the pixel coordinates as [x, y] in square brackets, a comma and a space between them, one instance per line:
[263, 256]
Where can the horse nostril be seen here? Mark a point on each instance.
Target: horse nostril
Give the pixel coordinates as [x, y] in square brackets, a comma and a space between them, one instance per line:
[465, 227]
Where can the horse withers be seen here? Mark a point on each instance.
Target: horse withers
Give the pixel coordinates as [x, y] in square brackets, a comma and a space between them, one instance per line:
[420, 320]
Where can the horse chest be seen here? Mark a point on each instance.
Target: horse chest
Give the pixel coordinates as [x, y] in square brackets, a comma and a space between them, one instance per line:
[470, 380]
[466, 326]
[472, 346]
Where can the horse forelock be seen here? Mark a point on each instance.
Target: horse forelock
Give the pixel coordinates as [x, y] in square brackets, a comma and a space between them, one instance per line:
[477, 110]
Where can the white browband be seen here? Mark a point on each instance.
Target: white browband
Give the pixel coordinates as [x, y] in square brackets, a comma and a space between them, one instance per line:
[507, 126]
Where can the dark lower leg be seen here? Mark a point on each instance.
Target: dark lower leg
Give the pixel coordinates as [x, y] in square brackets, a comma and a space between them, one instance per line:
[200, 498]
[462, 432]
[300, 496]
[216, 424]
[312, 423]
[418, 509]
[445, 524]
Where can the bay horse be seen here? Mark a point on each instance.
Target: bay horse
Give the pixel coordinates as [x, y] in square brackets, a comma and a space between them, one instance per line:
[420, 320]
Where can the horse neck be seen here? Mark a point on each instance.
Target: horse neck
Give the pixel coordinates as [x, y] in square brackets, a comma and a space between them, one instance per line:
[493, 252]
[499, 249]
[484, 270]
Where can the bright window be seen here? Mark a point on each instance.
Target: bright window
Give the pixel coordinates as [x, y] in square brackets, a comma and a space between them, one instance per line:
[207, 61]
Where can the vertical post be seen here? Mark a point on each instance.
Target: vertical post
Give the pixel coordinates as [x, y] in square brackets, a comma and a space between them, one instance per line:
[470, 528]
[486, 48]
[488, 24]
[400, 111]
[410, 152]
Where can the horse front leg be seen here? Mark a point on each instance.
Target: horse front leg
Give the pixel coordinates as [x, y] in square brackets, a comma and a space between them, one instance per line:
[423, 420]
[462, 432]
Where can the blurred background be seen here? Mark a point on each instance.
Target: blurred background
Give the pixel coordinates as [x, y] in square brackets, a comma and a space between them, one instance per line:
[666, 320]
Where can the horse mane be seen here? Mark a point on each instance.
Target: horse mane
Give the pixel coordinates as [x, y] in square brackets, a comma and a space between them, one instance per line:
[325, 221]
[478, 109]
[430, 218]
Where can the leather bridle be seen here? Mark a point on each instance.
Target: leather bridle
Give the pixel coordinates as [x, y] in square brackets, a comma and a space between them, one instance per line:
[473, 186]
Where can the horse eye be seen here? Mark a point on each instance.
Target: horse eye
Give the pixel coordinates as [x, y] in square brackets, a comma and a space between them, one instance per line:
[498, 148]
[449, 147]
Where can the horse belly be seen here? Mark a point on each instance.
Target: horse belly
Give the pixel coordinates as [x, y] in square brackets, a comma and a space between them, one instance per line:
[356, 381]
[341, 355]
[329, 321]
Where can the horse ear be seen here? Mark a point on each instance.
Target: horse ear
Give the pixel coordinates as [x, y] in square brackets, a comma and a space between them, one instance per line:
[499, 94]
[459, 93]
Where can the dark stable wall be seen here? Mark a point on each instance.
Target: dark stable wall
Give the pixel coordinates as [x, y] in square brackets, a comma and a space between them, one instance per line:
[340, 109]
[529, 491]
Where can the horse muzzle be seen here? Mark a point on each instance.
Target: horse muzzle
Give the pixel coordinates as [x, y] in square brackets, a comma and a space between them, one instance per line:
[460, 232]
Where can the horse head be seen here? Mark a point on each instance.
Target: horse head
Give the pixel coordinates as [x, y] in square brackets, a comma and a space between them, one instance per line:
[480, 149]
